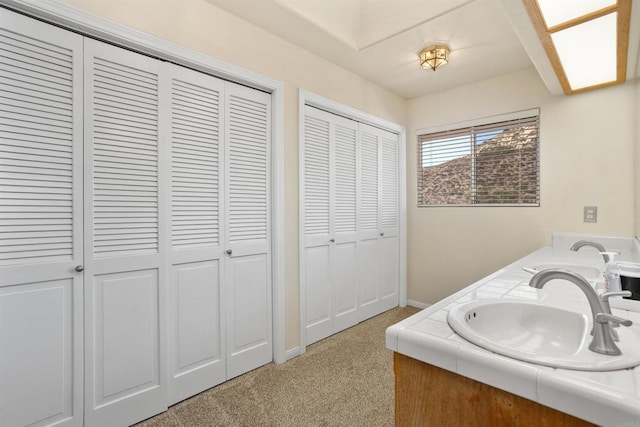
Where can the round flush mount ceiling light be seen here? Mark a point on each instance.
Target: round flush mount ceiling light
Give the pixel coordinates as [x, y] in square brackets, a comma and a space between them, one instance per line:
[433, 57]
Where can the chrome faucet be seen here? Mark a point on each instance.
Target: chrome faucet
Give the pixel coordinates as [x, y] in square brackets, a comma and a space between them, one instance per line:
[582, 243]
[602, 338]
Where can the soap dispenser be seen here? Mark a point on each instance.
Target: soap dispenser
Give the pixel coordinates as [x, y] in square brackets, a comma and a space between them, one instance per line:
[611, 273]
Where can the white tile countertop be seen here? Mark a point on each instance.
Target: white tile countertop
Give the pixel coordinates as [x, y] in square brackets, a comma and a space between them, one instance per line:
[605, 398]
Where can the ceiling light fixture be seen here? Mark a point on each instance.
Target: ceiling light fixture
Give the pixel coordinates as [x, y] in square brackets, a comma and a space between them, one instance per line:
[433, 57]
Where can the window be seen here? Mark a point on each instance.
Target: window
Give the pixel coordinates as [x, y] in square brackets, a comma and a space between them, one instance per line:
[484, 164]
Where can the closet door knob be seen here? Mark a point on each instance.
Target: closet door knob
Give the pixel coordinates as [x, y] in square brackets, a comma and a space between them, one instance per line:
[381, 234]
[332, 240]
[79, 268]
[229, 251]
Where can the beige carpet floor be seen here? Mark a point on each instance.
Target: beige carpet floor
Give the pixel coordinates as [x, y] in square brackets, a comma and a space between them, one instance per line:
[344, 380]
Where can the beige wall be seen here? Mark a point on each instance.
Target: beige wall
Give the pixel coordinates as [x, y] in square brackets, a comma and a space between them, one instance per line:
[212, 31]
[587, 158]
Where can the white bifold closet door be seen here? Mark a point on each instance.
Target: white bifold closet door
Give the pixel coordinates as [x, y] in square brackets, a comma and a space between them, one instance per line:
[389, 219]
[378, 225]
[220, 281]
[350, 222]
[135, 230]
[196, 318]
[41, 343]
[247, 236]
[125, 225]
[330, 203]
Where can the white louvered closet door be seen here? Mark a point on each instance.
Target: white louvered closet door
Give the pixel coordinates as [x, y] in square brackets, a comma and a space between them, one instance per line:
[389, 221]
[330, 200]
[379, 221]
[247, 189]
[196, 317]
[40, 224]
[124, 228]
[344, 219]
[316, 213]
[368, 224]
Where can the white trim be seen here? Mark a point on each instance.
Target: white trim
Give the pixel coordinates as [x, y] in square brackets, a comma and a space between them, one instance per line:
[326, 104]
[58, 13]
[417, 304]
[480, 121]
[402, 201]
[291, 353]
[301, 240]
[277, 225]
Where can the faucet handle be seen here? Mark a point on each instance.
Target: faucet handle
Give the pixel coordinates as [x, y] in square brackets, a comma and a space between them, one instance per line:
[606, 295]
[604, 299]
[609, 255]
[605, 318]
[603, 341]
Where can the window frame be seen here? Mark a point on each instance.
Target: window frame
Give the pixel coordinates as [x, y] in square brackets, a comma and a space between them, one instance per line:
[471, 125]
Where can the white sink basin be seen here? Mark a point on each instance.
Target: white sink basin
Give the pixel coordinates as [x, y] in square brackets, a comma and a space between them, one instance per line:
[586, 271]
[540, 334]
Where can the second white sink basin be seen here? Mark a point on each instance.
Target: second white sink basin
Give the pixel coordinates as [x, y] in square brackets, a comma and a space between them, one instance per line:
[540, 334]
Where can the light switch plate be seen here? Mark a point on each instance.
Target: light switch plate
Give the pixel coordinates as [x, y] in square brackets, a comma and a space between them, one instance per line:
[590, 214]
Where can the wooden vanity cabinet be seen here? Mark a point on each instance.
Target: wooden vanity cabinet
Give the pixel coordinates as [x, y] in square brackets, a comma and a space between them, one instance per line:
[430, 396]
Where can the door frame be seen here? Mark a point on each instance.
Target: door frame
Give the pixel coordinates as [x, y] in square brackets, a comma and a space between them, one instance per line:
[306, 98]
[93, 26]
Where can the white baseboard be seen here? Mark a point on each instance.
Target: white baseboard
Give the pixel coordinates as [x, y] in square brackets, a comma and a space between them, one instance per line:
[290, 354]
[417, 304]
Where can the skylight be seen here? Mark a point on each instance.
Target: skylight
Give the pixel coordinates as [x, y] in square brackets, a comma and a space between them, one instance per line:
[585, 40]
[588, 51]
[556, 12]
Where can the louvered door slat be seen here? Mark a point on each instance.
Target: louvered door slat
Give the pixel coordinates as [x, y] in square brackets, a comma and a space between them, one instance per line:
[368, 181]
[31, 94]
[124, 84]
[23, 201]
[108, 105]
[36, 147]
[13, 56]
[125, 145]
[44, 52]
[113, 120]
[20, 109]
[21, 139]
[128, 99]
[57, 78]
[61, 160]
[195, 156]
[345, 180]
[10, 102]
[36, 144]
[22, 78]
[389, 181]
[316, 179]
[247, 156]
[140, 76]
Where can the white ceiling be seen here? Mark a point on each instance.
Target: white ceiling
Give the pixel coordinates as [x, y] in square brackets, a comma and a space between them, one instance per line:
[381, 39]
